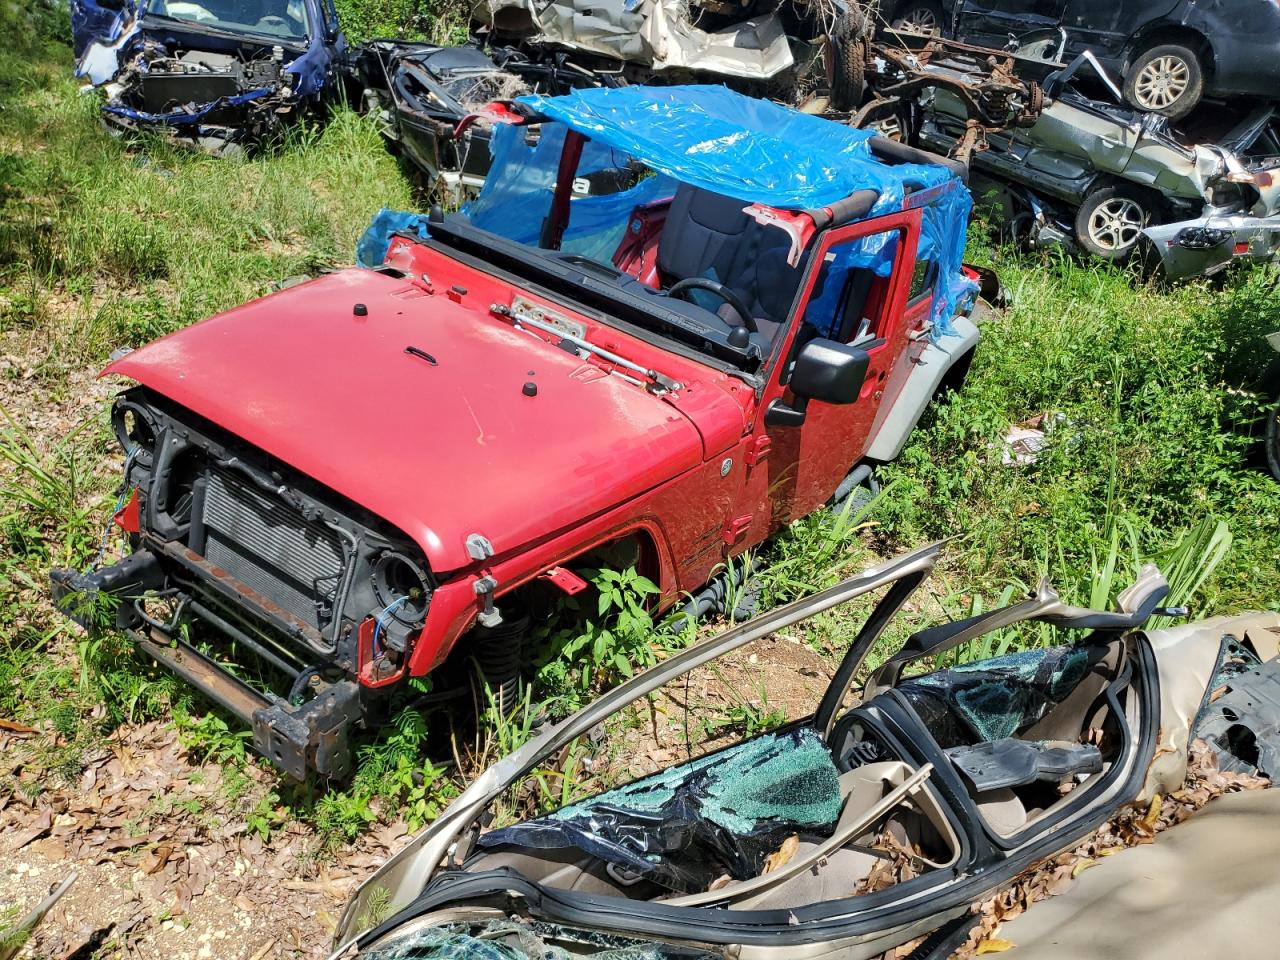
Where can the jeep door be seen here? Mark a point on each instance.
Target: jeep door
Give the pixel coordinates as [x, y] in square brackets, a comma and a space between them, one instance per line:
[856, 291]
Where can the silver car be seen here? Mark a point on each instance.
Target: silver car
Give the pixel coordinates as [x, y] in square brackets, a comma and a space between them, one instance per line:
[842, 834]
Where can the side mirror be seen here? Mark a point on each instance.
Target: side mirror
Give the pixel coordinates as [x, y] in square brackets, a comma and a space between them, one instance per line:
[825, 370]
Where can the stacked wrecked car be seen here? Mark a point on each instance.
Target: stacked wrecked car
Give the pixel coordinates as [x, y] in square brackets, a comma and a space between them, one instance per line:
[216, 74]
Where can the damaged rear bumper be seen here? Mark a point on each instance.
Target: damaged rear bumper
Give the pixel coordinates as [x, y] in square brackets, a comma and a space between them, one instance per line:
[1207, 245]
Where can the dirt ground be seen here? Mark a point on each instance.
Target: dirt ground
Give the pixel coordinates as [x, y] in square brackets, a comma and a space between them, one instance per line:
[168, 866]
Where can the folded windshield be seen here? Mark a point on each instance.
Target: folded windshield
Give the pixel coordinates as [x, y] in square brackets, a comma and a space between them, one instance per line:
[676, 259]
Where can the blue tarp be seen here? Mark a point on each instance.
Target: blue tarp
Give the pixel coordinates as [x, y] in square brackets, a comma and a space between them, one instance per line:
[515, 204]
[753, 150]
[718, 140]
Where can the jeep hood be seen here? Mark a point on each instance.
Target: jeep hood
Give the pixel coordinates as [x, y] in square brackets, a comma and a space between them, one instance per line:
[444, 441]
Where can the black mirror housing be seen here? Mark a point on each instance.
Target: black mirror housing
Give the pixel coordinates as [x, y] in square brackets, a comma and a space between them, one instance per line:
[829, 371]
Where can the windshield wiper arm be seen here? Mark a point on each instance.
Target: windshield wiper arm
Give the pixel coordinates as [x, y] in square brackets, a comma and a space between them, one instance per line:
[524, 319]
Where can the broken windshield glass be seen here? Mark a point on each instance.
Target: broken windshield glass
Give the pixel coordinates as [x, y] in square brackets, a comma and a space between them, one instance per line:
[513, 940]
[997, 698]
[285, 19]
[685, 827]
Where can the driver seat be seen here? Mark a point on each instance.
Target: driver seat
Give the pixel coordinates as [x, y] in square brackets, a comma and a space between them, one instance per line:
[708, 235]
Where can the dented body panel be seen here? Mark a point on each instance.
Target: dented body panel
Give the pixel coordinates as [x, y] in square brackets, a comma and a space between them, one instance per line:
[1112, 677]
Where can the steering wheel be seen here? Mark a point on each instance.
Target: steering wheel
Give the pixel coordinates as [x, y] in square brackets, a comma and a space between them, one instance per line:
[720, 290]
[272, 20]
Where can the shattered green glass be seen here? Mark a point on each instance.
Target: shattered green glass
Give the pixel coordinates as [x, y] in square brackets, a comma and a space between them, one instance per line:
[515, 940]
[993, 699]
[718, 815]
[745, 784]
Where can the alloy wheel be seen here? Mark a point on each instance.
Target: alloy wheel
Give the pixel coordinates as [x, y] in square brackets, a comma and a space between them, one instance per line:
[1117, 223]
[918, 20]
[1161, 82]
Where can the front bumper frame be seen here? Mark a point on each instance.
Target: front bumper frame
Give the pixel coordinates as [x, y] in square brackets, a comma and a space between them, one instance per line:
[299, 738]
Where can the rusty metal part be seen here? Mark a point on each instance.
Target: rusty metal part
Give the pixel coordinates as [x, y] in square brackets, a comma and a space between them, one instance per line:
[985, 81]
[201, 672]
[313, 736]
[232, 589]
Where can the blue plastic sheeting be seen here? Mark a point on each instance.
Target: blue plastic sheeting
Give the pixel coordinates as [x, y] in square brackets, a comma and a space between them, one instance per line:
[713, 138]
[944, 220]
[371, 248]
[753, 150]
[515, 202]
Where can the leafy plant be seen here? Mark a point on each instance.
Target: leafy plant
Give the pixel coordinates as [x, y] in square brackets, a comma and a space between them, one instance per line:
[580, 654]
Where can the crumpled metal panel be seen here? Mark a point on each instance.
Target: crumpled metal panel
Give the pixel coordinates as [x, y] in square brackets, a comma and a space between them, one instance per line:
[653, 33]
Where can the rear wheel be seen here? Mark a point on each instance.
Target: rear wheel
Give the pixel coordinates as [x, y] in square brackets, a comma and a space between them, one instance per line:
[1167, 80]
[921, 16]
[845, 60]
[1110, 221]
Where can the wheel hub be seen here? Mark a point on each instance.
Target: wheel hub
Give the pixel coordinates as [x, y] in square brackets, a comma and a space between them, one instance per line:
[1161, 82]
[1116, 224]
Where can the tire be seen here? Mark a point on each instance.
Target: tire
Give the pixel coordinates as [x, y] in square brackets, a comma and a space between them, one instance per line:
[845, 60]
[1272, 440]
[1167, 80]
[922, 16]
[1110, 221]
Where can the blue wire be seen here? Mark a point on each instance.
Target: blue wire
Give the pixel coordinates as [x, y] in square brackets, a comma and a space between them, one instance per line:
[377, 626]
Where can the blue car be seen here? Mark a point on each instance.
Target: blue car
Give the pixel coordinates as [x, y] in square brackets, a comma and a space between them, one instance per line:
[218, 74]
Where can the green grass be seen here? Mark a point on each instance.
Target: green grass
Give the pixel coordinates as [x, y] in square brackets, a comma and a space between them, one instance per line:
[105, 244]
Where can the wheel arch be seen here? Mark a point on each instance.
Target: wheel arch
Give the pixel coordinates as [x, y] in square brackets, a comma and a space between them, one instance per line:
[1160, 32]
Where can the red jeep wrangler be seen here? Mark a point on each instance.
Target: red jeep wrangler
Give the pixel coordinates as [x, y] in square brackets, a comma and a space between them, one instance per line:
[675, 317]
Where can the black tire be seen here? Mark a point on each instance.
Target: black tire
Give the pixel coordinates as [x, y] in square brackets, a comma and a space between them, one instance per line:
[1110, 220]
[924, 16]
[1167, 79]
[1272, 439]
[844, 57]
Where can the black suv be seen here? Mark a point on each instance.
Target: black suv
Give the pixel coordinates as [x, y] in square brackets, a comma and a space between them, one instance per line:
[1170, 52]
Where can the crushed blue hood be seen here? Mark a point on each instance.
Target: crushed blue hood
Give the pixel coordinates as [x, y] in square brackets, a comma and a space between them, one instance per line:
[749, 149]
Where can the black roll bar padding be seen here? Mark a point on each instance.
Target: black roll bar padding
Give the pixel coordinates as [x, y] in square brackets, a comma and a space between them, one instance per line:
[892, 150]
[852, 207]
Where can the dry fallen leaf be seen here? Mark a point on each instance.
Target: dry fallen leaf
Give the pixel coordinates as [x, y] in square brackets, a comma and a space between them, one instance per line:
[14, 727]
[994, 946]
[36, 828]
[1084, 864]
[783, 854]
